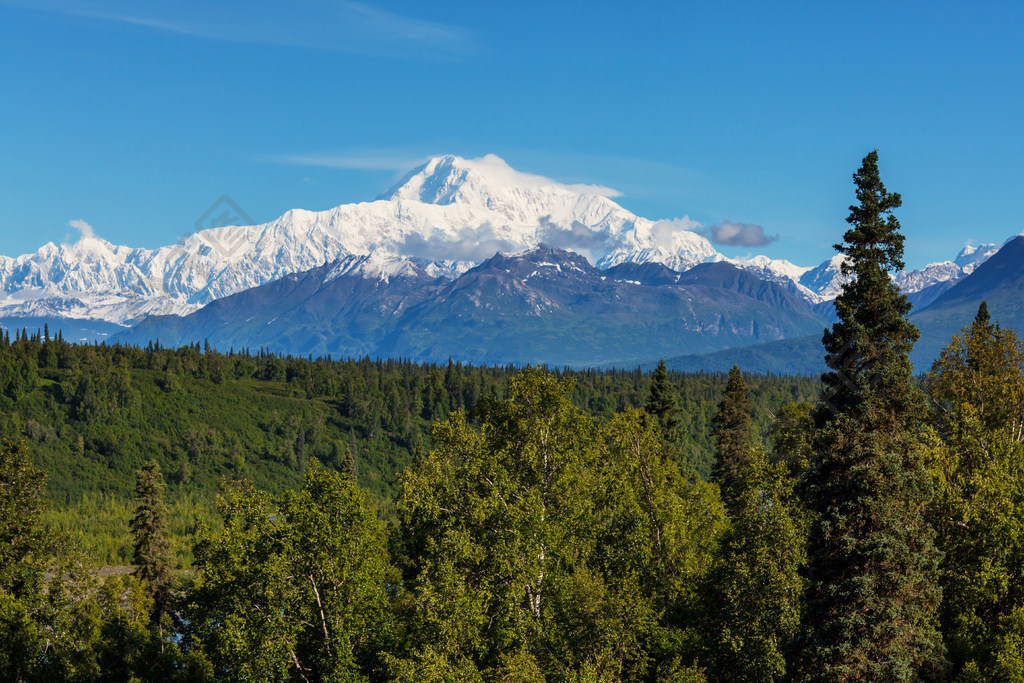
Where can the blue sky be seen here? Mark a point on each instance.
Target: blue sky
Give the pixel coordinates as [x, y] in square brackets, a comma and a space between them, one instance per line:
[135, 117]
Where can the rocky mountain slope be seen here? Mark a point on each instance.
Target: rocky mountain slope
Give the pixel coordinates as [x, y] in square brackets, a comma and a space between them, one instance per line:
[997, 279]
[546, 305]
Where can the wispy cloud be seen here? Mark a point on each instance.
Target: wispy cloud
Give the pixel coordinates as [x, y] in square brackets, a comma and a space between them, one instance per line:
[381, 160]
[634, 177]
[739, 235]
[84, 229]
[665, 231]
[337, 26]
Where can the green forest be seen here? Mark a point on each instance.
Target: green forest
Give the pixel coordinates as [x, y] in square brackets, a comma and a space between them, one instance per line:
[92, 415]
[184, 514]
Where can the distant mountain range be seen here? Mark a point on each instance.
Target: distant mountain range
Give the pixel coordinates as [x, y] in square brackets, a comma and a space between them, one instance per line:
[999, 281]
[466, 258]
[546, 305]
[449, 215]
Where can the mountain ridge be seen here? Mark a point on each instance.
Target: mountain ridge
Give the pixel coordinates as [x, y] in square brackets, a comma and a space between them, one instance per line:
[546, 305]
[448, 215]
[997, 279]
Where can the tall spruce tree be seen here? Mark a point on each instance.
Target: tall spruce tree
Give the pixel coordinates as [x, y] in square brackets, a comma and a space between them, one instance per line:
[733, 432]
[662, 404]
[151, 544]
[870, 611]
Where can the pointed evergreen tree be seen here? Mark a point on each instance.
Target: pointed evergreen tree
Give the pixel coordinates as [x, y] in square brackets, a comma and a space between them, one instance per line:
[662, 403]
[870, 609]
[151, 544]
[733, 433]
[351, 472]
[753, 597]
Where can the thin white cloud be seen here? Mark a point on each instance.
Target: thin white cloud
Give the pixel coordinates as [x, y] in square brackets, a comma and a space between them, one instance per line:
[495, 167]
[337, 26]
[84, 229]
[634, 177]
[600, 190]
[664, 231]
[365, 161]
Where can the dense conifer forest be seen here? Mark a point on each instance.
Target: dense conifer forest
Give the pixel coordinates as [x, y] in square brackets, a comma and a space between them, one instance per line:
[284, 519]
[93, 414]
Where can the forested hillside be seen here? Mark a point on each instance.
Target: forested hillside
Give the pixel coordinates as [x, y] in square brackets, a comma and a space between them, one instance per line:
[94, 413]
[534, 541]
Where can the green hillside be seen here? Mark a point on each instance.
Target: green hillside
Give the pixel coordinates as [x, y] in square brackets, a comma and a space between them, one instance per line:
[93, 414]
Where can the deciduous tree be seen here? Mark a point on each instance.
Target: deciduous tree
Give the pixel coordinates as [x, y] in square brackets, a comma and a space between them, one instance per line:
[977, 387]
[294, 589]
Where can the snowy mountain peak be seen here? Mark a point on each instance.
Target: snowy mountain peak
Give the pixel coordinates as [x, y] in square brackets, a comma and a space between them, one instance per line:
[826, 280]
[970, 257]
[487, 181]
[774, 267]
[913, 281]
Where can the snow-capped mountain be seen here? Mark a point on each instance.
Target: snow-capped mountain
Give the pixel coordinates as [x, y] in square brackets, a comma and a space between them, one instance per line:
[446, 215]
[780, 271]
[825, 282]
[970, 257]
[913, 281]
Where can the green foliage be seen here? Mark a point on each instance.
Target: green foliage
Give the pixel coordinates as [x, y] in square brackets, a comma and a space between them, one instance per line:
[151, 546]
[756, 586]
[791, 436]
[55, 622]
[873, 567]
[662, 404]
[293, 589]
[93, 415]
[754, 589]
[733, 434]
[549, 534]
[574, 545]
[1008, 648]
[978, 391]
[23, 540]
[21, 637]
